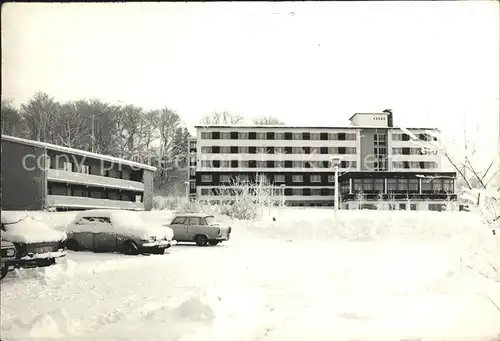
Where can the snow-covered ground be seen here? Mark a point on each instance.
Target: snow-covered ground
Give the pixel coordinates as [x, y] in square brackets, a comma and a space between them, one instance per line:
[365, 276]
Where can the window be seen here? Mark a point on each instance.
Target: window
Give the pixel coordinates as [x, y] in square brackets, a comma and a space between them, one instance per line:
[261, 136]
[413, 207]
[378, 185]
[350, 150]
[435, 207]
[225, 135]
[315, 150]
[315, 191]
[402, 185]
[206, 178]
[331, 178]
[448, 185]
[357, 185]
[437, 185]
[261, 164]
[205, 191]
[242, 135]
[279, 164]
[242, 177]
[397, 151]
[279, 136]
[297, 191]
[279, 178]
[315, 178]
[426, 186]
[413, 185]
[244, 164]
[297, 164]
[402, 207]
[179, 220]
[397, 137]
[225, 178]
[206, 135]
[192, 171]
[368, 185]
[297, 178]
[315, 136]
[225, 150]
[195, 221]
[192, 184]
[206, 149]
[296, 136]
[392, 185]
[297, 150]
[350, 136]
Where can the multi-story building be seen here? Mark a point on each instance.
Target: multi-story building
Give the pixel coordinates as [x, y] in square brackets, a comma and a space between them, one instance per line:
[37, 175]
[297, 162]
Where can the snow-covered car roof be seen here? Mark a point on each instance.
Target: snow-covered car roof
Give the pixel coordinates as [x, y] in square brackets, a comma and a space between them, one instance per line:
[201, 215]
[103, 213]
[24, 228]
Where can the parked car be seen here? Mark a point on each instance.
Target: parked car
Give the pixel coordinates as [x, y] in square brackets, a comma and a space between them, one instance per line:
[117, 231]
[200, 228]
[36, 243]
[8, 258]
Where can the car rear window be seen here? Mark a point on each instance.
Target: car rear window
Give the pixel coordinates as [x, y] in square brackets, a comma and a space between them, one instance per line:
[179, 220]
[210, 219]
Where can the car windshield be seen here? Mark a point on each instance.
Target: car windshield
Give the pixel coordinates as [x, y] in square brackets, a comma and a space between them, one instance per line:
[210, 219]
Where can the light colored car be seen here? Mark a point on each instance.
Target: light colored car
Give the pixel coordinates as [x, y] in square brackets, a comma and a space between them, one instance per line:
[200, 228]
[117, 230]
[37, 244]
[8, 258]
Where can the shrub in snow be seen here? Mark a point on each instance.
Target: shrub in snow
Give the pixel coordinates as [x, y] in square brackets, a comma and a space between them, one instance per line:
[167, 203]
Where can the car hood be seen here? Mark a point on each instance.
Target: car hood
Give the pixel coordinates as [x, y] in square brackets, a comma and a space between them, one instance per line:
[31, 230]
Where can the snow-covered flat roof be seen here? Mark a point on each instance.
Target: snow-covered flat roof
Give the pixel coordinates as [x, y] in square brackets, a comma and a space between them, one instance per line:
[273, 126]
[80, 152]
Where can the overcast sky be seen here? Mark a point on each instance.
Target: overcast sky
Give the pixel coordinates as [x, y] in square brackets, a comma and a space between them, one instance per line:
[433, 63]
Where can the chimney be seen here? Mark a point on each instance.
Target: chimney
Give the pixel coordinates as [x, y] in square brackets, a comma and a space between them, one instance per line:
[390, 119]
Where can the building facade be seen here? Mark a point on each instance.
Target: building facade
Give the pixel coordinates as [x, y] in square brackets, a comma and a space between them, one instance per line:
[297, 162]
[37, 175]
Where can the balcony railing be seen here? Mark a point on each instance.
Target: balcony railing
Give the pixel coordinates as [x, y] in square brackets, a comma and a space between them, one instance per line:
[57, 175]
[91, 203]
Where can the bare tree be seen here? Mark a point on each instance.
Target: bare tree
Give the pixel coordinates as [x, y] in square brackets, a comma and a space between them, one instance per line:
[267, 120]
[99, 118]
[40, 114]
[70, 130]
[12, 123]
[222, 117]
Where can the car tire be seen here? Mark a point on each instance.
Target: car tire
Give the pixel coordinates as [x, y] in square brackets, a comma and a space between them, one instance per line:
[4, 271]
[201, 240]
[73, 245]
[214, 242]
[130, 248]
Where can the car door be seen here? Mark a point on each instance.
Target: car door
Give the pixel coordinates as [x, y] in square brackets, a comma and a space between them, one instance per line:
[84, 233]
[105, 239]
[194, 227]
[179, 226]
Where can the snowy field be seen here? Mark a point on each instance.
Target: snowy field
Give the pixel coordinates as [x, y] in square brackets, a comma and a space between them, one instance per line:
[367, 275]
